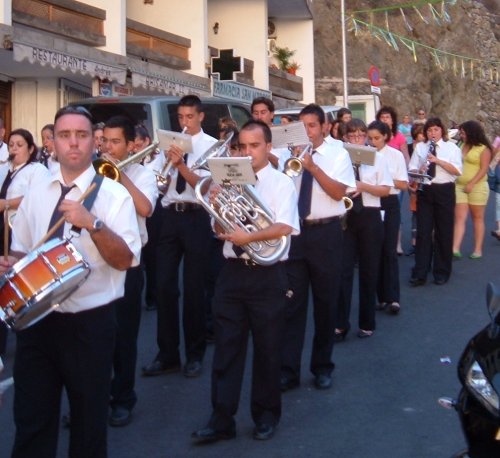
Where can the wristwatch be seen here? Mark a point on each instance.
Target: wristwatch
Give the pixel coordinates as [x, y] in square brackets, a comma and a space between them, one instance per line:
[97, 225]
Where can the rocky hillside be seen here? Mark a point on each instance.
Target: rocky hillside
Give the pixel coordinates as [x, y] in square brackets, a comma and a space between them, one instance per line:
[474, 31]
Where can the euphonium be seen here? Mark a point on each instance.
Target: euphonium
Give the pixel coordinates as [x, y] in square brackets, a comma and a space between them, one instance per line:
[218, 149]
[239, 205]
[111, 170]
[293, 165]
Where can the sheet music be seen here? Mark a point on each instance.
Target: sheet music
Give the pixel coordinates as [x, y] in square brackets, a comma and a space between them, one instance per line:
[292, 134]
[231, 170]
[361, 154]
[167, 138]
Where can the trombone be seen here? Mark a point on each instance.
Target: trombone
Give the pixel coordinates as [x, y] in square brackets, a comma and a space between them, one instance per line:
[111, 170]
[293, 165]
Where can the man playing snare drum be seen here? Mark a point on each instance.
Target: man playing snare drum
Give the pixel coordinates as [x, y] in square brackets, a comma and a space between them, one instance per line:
[72, 347]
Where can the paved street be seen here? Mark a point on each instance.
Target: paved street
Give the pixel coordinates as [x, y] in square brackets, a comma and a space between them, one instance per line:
[383, 400]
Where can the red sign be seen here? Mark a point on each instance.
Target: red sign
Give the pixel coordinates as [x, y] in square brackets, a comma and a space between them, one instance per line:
[374, 75]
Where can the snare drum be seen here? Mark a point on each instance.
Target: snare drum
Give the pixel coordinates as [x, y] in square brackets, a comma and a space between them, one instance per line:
[39, 282]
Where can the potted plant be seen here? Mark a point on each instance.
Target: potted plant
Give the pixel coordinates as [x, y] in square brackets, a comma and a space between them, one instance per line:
[283, 56]
[292, 68]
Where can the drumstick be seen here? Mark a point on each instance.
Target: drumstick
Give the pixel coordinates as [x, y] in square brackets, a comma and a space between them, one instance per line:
[61, 220]
[5, 233]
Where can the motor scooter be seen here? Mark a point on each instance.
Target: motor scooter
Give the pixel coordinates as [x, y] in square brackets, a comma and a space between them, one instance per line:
[478, 403]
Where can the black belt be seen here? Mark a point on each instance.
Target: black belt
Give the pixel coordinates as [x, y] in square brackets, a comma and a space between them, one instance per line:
[183, 207]
[317, 222]
[250, 262]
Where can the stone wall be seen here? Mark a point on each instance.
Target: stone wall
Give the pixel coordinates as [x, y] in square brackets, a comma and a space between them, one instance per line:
[474, 31]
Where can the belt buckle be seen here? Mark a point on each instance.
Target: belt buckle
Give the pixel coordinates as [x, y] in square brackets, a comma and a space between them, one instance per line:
[179, 207]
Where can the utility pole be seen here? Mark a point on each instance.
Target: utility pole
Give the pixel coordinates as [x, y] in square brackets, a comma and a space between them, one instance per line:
[344, 53]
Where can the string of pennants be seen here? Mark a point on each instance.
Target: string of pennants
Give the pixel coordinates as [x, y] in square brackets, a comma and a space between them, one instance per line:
[428, 11]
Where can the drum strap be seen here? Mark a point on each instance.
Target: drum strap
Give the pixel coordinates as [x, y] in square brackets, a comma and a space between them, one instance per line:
[89, 200]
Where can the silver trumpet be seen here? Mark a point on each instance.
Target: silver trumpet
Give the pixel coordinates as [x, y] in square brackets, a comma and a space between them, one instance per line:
[293, 165]
[163, 177]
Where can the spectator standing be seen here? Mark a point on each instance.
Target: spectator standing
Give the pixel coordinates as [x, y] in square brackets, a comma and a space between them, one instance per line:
[405, 129]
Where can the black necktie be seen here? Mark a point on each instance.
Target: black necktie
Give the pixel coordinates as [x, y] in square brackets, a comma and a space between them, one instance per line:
[181, 181]
[5, 185]
[56, 215]
[305, 194]
[431, 170]
[357, 202]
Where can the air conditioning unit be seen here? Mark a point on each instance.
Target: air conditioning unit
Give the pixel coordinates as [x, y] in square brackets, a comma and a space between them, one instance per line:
[271, 46]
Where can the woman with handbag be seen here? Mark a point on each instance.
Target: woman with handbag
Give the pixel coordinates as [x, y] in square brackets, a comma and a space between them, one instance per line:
[471, 187]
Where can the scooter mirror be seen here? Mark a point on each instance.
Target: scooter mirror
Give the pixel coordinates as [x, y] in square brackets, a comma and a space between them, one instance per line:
[493, 303]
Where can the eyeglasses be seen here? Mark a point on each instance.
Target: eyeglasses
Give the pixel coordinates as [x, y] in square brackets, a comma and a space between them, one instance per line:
[356, 136]
[73, 109]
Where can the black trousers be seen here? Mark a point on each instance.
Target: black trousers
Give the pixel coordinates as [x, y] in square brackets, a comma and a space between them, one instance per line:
[315, 262]
[248, 298]
[153, 226]
[388, 280]
[128, 317]
[362, 242]
[435, 220]
[183, 235]
[216, 261]
[67, 350]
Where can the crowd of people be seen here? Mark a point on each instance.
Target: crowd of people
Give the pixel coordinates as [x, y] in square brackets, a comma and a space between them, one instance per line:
[145, 223]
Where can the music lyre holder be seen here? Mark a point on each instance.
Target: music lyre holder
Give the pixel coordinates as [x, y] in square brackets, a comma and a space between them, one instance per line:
[361, 154]
[420, 178]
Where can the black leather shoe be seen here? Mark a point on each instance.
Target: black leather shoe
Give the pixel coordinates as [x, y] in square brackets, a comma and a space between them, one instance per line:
[120, 416]
[323, 381]
[417, 282]
[288, 383]
[263, 432]
[192, 369]
[440, 281]
[209, 435]
[158, 368]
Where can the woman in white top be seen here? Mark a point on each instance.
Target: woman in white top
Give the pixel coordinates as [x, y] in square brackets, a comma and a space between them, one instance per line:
[20, 172]
[388, 280]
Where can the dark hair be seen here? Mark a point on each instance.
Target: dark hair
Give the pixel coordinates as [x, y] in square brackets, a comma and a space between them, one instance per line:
[26, 134]
[355, 124]
[191, 100]
[334, 123]
[287, 117]
[48, 127]
[264, 100]
[342, 112]
[391, 111]
[142, 132]
[475, 134]
[417, 129]
[255, 124]
[124, 123]
[73, 109]
[435, 122]
[382, 127]
[313, 109]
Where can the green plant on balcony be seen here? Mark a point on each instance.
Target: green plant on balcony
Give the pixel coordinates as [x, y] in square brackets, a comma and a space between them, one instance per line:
[283, 56]
[293, 67]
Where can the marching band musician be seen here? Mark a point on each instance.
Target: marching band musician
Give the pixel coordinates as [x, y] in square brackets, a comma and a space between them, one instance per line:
[119, 136]
[363, 238]
[315, 255]
[251, 297]
[185, 233]
[73, 346]
[442, 161]
[47, 156]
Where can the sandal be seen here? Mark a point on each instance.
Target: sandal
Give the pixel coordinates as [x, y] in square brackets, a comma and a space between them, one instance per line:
[475, 256]
[457, 254]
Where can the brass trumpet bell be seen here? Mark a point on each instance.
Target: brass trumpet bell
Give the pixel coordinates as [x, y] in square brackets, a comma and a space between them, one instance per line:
[106, 168]
[293, 167]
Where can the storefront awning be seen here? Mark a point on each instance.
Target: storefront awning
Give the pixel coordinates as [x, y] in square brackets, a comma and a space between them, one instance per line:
[68, 62]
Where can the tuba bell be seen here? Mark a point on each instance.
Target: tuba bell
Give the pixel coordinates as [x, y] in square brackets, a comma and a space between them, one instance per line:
[111, 170]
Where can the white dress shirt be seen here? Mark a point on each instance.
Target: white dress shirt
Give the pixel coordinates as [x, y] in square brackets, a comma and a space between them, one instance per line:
[335, 162]
[445, 151]
[377, 174]
[333, 141]
[23, 177]
[4, 152]
[277, 191]
[201, 143]
[145, 181]
[397, 166]
[113, 205]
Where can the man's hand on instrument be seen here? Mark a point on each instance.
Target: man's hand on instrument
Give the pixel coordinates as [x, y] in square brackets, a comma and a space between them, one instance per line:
[7, 263]
[307, 162]
[237, 237]
[76, 214]
[213, 191]
[176, 155]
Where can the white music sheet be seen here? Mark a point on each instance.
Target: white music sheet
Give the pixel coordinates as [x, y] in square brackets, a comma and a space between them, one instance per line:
[168, 138]
[287, 135]
[231, 170]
